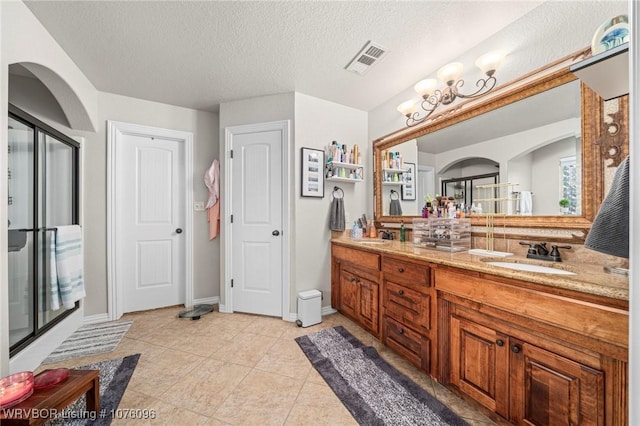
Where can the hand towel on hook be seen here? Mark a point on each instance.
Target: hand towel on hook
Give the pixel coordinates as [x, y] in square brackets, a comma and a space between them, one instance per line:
[336, 214]
[395, 209]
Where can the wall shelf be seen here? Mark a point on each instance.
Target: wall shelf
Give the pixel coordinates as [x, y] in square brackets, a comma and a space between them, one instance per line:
[342, 179]
[349, 167]
[606, 73]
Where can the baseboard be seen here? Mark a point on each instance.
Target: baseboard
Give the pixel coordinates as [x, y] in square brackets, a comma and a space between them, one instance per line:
[95, 319]
[328, 310]
[215, 300]
[292, 317]
[223, 308]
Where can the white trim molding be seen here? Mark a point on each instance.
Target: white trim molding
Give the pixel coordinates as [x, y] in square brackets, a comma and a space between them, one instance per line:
[96, 319]
[229, 132]
[215, 300]
[328, 310]
[115, 131]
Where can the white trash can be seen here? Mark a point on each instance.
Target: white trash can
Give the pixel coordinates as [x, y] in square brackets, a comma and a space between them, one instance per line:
[309, 308]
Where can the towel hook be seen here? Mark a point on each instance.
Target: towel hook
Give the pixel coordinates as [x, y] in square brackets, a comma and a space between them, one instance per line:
[393, 191]
[339, 190]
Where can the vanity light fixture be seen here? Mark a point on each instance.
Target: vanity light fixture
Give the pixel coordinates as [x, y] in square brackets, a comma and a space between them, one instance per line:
[432, 97]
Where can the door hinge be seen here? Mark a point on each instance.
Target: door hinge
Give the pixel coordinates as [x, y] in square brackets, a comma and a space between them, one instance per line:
[231, 153]
[231, 282]
[231, 218]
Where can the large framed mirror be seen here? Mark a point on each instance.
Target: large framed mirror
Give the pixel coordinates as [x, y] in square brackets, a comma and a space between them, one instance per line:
[541, 139]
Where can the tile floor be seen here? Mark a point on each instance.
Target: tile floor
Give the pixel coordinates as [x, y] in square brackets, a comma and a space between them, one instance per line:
[239, 369]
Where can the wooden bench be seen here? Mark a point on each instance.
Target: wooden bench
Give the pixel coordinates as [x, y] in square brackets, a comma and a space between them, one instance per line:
[47, 403]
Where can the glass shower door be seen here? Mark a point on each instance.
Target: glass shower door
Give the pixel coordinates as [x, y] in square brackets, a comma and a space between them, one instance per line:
[43, 194]
[56, 189]
[21, 230]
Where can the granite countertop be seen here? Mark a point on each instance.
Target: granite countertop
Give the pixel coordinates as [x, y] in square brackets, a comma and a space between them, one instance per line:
[588, 278]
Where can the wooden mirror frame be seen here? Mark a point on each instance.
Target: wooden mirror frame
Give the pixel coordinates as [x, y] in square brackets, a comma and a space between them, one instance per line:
[598, 143]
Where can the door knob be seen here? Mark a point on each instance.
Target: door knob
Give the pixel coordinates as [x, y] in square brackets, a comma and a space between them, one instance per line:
[500, 342]
[179, 231]
[515, 349]
[275, 233]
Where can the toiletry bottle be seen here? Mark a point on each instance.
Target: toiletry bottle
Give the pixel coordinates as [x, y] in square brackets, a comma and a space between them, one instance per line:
[402, 233]
[372, 230]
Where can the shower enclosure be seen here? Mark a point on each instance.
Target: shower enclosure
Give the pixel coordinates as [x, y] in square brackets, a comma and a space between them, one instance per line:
[43, 194]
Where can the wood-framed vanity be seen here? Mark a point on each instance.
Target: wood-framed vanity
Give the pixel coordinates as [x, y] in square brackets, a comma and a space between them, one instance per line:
[533, 348]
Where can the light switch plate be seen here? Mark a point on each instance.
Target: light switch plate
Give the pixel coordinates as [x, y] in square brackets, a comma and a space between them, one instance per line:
[198, 206]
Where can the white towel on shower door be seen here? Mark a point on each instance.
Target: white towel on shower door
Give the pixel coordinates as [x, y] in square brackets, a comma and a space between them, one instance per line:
[526, 203]
[69, 285]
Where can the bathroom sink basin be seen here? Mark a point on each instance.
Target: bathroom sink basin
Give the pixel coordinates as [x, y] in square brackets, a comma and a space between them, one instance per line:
[373, 242]
[528, 267]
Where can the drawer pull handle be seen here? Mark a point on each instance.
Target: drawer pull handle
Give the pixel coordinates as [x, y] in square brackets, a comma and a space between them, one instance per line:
[515, 349]
[400, 269]
[400, 292]
[499, 342]
[401, 331]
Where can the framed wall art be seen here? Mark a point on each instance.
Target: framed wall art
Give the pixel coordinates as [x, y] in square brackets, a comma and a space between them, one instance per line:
[409, 185]
[312, 173]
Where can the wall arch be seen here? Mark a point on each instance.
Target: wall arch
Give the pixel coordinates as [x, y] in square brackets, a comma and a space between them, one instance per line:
[75, 111]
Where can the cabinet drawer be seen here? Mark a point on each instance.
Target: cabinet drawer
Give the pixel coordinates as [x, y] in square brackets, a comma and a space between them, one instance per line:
[407, 306]
[411, 345]
[406, 273]
[363, 259]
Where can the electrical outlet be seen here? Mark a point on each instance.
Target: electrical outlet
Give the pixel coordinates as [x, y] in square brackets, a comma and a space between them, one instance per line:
[198, 206]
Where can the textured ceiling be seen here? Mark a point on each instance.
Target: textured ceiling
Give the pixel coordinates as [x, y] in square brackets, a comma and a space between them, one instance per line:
[201, 54]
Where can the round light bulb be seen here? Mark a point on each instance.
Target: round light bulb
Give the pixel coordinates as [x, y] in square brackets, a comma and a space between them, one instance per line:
[407, 108]
[450, 73]
[426, 87]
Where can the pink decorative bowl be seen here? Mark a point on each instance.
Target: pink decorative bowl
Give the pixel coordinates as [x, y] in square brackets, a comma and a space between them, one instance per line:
[15, 388]
[49, 378]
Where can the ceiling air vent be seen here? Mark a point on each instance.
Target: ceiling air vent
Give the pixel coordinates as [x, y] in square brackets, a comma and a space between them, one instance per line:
[367, 57]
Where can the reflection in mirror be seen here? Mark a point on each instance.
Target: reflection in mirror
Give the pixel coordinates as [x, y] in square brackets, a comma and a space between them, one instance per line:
[534, 145]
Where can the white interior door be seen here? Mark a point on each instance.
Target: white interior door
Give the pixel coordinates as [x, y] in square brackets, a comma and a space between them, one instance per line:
[150, 185]
[426, 184]
[257, 228]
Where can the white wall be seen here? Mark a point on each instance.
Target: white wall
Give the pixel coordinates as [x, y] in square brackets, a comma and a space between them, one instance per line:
[4, 286]
[545, 172]
[634, 238]
[319, 122]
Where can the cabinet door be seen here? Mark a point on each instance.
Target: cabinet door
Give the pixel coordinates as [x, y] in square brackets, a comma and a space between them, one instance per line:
[480, 363]
[349, 294]
[369, 311]
[548, 389]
